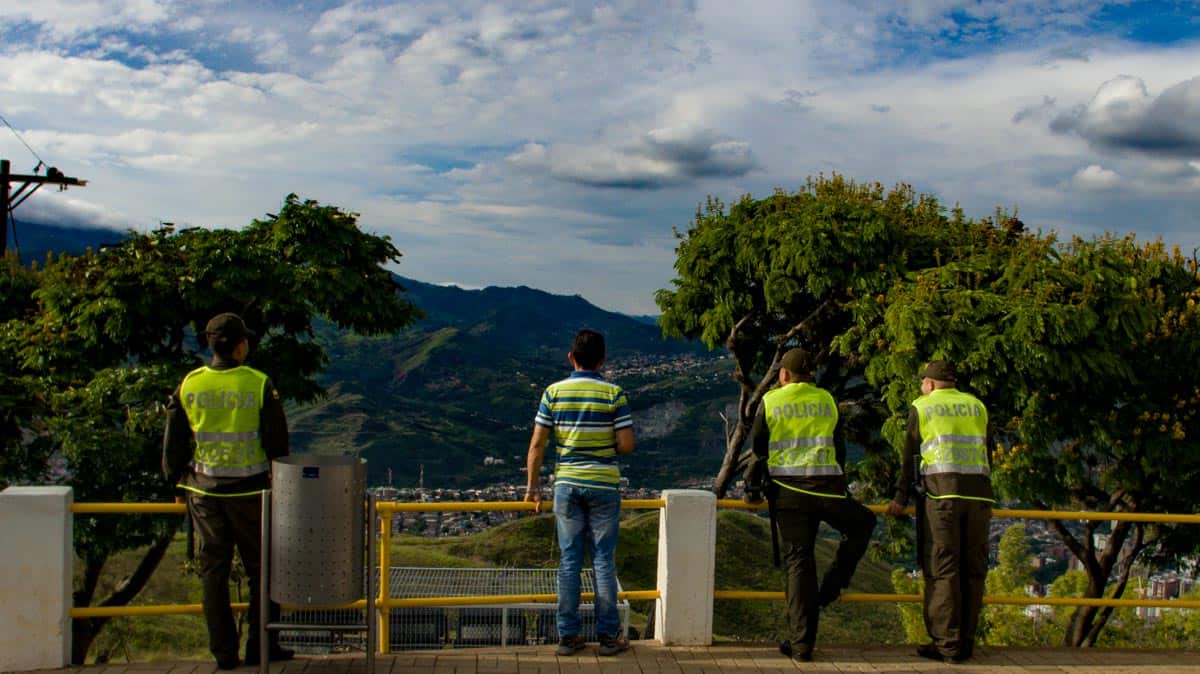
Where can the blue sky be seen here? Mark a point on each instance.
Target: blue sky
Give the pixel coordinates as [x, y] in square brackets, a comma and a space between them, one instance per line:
[555, 145]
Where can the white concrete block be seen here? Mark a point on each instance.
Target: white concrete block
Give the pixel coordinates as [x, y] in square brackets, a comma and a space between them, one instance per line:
[687, 536]
[36, 568]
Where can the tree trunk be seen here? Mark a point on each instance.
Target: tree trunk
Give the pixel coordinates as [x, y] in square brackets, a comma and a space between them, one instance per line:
[751, 393]
[85, 630]
[82, 630]
[1088, 621]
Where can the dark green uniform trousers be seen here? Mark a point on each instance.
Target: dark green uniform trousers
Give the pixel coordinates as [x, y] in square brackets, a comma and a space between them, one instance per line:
[223, 523]
[797, 527]
[954, 564]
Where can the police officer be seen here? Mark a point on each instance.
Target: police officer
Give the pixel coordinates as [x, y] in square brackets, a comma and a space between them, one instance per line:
[224, 425]
[799, 460]
[949, 429]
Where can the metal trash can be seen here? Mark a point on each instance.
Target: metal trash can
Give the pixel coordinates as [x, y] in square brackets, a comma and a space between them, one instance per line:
[317, 533]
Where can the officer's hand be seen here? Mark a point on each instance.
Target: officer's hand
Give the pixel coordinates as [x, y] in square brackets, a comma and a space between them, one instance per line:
[180, 499]
[894, 509]
[752, 497]
[534, 497]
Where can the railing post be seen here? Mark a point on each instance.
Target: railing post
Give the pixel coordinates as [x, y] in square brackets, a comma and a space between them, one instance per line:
[36, 568]
[385, 583]
[687, 536]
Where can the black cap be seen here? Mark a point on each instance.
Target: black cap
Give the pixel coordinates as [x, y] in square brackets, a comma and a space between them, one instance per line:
[798, 361]
[227, 328]
[940, 370]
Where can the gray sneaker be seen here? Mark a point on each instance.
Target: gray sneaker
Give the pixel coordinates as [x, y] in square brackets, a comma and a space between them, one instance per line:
[569, 645]
[613, 645]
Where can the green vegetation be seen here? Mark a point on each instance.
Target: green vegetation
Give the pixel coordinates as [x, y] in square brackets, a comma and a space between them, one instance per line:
[1001, 625]
[464, 383]
[742, 562]
[93, 344]
[1084, 351]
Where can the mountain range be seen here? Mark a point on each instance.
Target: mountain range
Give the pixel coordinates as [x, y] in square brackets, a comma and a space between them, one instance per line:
[453, 396]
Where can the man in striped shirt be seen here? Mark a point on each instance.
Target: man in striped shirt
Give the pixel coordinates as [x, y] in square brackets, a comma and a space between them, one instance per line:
[590, 422]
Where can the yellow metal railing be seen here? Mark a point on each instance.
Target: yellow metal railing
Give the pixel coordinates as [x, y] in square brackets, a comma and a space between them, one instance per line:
[1000, 513]
[384, 602]
[1004, 513]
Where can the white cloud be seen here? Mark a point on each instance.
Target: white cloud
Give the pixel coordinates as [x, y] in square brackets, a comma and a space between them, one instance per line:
[1122, 115]
[1096, 178]
[505, 140]
[656, 159]
[68, 19]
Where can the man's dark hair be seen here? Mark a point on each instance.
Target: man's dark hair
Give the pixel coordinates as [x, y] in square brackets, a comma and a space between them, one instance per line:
[588, 349]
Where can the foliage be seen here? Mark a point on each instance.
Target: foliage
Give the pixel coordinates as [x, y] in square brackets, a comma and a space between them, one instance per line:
[107, 335]
[1005, 625]
[425, 399]
[789, 270]
[1082, 353]
[24, 452]
[742, 563]
[1177, 628]
[911, 613]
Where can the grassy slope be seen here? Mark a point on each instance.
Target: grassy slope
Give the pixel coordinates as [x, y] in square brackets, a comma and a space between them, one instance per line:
[742, 562]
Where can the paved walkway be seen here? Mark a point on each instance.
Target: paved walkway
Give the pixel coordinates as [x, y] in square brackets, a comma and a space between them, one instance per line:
[646, 657]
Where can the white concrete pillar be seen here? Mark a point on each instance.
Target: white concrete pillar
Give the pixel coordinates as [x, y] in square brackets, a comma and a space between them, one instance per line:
[36, 565]
[687, 537]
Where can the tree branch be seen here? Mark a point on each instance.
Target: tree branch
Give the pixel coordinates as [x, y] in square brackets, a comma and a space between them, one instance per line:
[1122, 581]
[731, 340]
[129, 588]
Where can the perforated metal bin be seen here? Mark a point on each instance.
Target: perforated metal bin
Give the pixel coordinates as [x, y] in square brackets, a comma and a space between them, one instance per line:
[317, 534]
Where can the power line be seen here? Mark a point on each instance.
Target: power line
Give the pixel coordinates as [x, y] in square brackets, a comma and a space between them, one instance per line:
[41, 162]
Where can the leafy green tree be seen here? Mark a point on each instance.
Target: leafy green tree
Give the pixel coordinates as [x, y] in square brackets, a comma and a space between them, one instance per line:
[109, 334]
[1084, 354]
[784, 271]
[24, 453]
[1011, 625]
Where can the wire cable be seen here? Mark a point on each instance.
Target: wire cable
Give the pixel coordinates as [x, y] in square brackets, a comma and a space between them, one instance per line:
[42, 162]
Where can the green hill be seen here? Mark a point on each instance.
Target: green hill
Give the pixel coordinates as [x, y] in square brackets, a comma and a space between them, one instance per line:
[463, 385]
[742, 562]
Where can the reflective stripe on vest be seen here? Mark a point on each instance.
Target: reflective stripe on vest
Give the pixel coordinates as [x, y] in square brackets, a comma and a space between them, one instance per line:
[801, 419]
[953, 433]
[223, 408]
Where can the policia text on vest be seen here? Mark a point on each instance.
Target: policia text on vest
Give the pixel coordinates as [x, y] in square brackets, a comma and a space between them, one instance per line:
[225, 423]
[946, 466]
[798, 463]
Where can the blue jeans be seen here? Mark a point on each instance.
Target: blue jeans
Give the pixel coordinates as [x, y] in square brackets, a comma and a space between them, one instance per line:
[587, 518]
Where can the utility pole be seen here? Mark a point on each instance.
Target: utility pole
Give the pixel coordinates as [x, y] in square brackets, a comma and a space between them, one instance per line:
[10, 200]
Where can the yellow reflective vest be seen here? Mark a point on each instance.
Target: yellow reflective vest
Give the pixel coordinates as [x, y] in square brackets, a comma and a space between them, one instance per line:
[223, 408]
[801, 419]
[953, 429]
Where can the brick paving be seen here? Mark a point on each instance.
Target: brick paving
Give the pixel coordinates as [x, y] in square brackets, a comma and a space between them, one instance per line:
[647, 657]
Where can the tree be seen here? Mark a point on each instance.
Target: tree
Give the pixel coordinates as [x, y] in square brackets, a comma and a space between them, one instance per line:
[785, 271]
[1010, 625]
[24, 454]
[1084, 354]
[110, 333]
